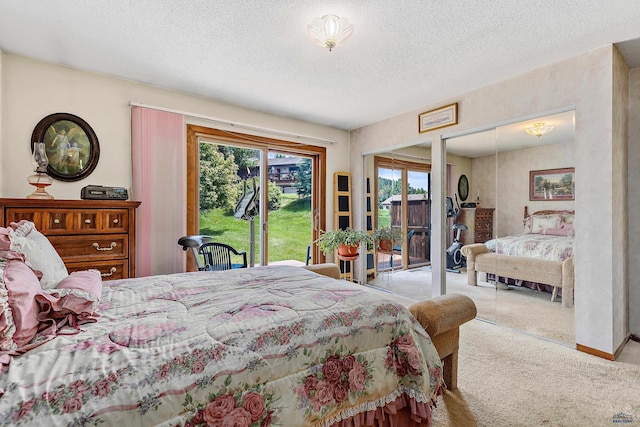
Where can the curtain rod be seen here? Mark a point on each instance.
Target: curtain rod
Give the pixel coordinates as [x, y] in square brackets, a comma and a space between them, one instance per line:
[236, 124]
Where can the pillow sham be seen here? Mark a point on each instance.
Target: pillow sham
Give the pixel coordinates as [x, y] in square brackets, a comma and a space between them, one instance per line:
[7, 326]
[39, 253]
[22, 286]
[540, 223]
[83, 289]
[557, 232]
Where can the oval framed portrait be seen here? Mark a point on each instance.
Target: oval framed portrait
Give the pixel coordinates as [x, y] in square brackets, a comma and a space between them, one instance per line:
[463, 187]
[72, 146]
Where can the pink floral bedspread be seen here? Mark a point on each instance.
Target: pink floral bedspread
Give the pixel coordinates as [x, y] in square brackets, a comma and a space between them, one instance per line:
[249, 347]
[542, 246]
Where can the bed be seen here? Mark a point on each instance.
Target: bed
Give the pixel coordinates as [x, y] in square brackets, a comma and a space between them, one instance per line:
[543, 254]
[274, 345]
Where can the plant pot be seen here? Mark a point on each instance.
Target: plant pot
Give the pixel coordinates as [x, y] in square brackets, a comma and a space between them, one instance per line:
[348, 251]
[385, 245]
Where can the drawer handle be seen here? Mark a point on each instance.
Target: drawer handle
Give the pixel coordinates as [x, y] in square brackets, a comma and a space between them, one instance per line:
[110, 248]
[56, 221]
[110, 273]
[115, 221]
[87, 221]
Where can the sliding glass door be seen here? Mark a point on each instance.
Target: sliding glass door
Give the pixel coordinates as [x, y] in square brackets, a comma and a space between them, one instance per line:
[258, 195]
[404, 203]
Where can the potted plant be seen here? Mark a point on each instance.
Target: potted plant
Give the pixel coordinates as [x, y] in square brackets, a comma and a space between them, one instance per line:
[346, 241]
[388, 237]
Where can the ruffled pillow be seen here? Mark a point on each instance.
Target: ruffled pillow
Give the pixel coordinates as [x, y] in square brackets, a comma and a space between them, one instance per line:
[22, 285]
[39, 253]
[7, 326]
[83, 289]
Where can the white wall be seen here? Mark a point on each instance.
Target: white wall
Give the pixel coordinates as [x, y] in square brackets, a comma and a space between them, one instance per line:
[584, 83]
[33, 89]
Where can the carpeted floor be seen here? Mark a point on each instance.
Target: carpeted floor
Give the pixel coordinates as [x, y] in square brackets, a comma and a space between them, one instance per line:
[517, 307]
[507, 378]
[510, 378]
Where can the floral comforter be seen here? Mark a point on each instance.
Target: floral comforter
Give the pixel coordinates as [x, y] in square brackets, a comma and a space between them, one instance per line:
[250, 347]
[550, 248]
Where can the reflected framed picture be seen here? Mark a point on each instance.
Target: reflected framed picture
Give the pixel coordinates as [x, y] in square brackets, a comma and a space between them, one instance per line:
[438, 118]
[71, 144]
[552, 184]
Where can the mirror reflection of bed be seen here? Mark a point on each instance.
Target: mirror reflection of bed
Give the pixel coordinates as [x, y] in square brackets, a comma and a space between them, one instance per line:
[497, 162]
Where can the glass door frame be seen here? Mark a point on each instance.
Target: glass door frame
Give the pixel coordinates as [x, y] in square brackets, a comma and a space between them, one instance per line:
[404, 166]
[318, 193]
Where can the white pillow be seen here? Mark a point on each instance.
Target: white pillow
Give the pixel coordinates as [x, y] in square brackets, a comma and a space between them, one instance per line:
[39, 254]
[543, 222]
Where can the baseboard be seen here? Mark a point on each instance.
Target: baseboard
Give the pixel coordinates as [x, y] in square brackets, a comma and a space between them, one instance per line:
[594, 352]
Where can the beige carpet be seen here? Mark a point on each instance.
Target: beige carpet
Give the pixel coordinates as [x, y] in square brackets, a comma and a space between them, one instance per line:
[507, 378]
[518, 307]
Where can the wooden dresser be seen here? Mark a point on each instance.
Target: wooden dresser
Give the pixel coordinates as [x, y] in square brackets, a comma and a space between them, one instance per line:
[97, 234]
[480, 223]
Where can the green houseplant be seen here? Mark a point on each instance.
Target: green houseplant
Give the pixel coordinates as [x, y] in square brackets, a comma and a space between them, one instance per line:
[346, 241]
[388, 237]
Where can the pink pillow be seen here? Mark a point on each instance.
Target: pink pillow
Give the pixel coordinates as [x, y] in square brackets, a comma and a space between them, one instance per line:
[5, 242]
[22, 285]
[7, 326]
[83, 290]
[555, 232]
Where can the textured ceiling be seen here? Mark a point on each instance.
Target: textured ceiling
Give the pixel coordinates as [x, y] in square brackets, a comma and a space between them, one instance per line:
[404, 55]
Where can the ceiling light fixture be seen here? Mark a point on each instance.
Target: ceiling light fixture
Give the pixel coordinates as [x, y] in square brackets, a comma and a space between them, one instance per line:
[538, 129]
[329, 31]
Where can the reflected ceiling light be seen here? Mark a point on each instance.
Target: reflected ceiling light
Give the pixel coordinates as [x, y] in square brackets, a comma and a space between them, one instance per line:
[538, 129]
[329, 31]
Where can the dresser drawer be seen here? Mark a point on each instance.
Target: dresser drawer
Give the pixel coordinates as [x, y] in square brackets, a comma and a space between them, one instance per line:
[80, 248]
[18, 214]
[73, 221]
[484, 215]
[482, 236]
[484, 226]
[109, 269]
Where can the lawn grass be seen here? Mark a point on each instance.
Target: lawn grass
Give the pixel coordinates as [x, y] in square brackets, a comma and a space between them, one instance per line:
[289, 229]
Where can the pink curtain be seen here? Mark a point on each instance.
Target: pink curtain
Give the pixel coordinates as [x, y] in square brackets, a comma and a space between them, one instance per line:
[158, 154]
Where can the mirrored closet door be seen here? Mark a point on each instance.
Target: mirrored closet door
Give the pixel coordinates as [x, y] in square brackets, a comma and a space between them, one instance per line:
[470, 188]
[517, 223]
[535, 220]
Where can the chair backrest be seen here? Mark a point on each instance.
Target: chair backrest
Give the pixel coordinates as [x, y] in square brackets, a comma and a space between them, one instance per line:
[194, 243]
[217, 256]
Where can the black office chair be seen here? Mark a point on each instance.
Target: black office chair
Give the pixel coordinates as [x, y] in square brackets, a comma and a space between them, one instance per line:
[217, 256]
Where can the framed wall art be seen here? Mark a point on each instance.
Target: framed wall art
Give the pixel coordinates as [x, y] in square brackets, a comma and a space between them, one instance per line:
[72, 146]
[438, 118]
[552, 184]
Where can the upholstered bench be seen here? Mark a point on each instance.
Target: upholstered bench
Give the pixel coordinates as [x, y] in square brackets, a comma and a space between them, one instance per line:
[559, 274]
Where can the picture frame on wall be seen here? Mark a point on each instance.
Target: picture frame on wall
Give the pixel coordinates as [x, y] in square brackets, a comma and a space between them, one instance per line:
[71, 144]
[438, 118]
[552, 184]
